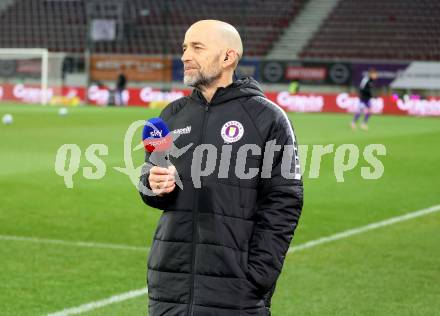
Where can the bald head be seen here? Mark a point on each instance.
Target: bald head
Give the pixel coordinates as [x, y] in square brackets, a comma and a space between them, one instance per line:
[211, 52]
[222, 34]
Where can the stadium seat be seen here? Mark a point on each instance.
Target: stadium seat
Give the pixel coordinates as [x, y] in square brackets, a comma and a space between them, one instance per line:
[376, 29]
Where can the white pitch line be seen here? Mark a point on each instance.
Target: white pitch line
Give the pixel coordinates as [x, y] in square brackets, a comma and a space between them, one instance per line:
[73, 243]
[363, 229]
[309, 244]
[97, 304]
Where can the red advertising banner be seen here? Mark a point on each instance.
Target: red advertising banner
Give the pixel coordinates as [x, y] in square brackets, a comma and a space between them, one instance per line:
[349, 103]
[150, 97]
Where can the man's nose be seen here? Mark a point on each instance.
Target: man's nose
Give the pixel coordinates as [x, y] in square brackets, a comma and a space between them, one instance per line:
[186, 56]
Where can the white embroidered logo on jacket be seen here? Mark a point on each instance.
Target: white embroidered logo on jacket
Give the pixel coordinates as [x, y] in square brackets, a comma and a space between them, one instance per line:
[232, 131]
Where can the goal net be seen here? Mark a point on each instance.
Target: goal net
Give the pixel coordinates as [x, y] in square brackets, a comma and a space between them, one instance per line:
[31, 75]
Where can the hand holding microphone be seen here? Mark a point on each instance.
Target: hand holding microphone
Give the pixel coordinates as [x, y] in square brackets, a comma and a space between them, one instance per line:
[162, 180]
[157, 141]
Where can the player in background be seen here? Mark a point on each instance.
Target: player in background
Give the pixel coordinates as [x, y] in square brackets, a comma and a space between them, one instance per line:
[365, 95]
[121, 84]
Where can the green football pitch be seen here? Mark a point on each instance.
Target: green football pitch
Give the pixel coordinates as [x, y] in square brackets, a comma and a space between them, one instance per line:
[62, 248]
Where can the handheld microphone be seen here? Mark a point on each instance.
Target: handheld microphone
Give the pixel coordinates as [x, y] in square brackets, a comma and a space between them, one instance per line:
[156, 135]
[157, 140]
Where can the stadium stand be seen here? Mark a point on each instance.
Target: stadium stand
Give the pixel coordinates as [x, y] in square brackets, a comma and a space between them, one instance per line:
[355, 29]
[149, 26]
[377, 29]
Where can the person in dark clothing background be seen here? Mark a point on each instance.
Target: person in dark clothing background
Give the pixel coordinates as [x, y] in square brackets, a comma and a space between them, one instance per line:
[221, 241]
[365, 94]
[121, 84]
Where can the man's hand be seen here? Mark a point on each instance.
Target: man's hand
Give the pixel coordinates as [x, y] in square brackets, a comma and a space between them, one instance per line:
[162, 180]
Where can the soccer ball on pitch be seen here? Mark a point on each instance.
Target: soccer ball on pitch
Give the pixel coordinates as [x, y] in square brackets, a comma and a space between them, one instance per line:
[7, 119]
[63, 111]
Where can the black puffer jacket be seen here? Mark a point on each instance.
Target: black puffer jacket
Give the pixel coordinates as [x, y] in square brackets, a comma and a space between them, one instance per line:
[219, 248]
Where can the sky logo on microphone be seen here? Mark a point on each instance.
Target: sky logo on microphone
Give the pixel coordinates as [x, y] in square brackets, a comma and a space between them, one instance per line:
[156, 133]
[156, 136]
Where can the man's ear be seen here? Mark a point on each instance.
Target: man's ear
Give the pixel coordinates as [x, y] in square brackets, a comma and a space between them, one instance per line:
[230, 56]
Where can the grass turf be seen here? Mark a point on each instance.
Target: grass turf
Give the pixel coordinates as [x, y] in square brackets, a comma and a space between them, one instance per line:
[391, 271]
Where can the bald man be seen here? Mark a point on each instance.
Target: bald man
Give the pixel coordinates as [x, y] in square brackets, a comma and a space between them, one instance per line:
[224, 232]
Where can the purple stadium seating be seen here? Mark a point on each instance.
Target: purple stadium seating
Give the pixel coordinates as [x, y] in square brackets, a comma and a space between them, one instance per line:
[150, 26]
[378, 29]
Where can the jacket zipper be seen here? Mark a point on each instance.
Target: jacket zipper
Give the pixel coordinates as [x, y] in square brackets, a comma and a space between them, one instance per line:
[195, 215]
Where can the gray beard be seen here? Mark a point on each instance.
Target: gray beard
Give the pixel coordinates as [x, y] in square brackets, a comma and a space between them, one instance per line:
[201, 81]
